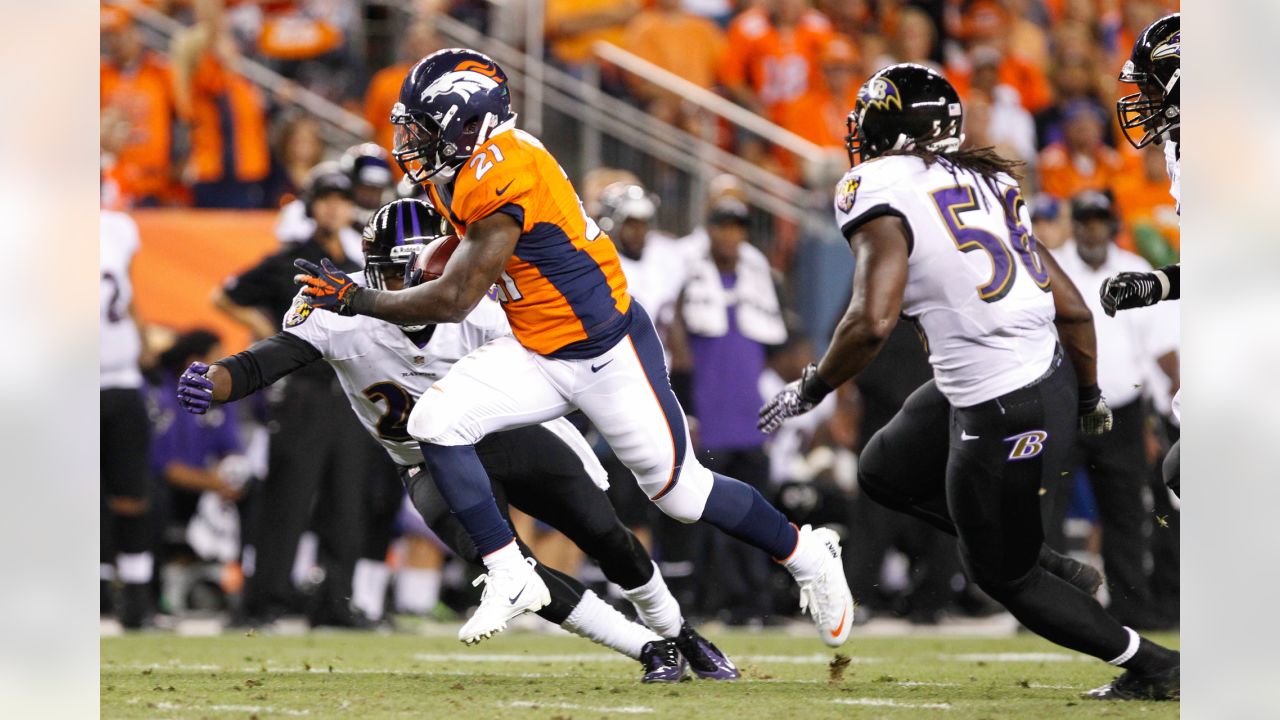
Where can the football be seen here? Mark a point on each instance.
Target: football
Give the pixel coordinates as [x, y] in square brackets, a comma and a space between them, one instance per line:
[433, 259]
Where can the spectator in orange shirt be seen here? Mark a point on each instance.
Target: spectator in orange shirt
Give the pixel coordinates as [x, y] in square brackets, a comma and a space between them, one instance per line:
[1075, 79]
[680, 42]
[819, 115]
[137, 91]
[1082, 161]
[227, 114]
[420, 40]
[987, 24]
[573, 26]
[1148, 210]
[773, 55]
[912, 39]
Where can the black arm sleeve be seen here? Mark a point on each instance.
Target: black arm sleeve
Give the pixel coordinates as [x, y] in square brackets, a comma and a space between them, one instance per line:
[266, 362]
[1172, 272]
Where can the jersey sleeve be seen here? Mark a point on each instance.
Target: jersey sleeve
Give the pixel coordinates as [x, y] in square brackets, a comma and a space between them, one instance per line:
[863, 196]
[497, 178]
[309, 324]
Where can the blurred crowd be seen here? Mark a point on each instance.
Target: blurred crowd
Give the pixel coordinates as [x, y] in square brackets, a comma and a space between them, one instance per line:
[238, 519]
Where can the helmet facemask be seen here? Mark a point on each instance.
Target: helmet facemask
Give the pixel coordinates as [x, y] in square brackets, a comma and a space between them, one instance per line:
[1153, 108]
[378, 267]
[419, 146]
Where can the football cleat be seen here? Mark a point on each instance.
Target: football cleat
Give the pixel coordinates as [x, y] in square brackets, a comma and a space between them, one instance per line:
[508, 593]
[826, 596]
[1132, 686]
[705, 659]
[662, 662]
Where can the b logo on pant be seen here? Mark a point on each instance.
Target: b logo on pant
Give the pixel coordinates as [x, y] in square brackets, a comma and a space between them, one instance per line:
[1027, 445]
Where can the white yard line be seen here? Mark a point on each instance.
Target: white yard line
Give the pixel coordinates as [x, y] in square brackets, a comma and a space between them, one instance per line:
[922, 683]
[1016, 657]
[624, 709]
[466, 657]
[879, 702]
[231, 708]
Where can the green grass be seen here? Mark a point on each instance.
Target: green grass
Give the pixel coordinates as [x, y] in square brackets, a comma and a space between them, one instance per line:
[517, 676]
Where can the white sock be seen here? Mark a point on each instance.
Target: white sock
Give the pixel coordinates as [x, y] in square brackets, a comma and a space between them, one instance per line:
[504, 557]
[304, 560]
[106, 571]
[369, 587]
[417, 590]
[806, 560]
[134, 568]
[596, 620]
[656, 605]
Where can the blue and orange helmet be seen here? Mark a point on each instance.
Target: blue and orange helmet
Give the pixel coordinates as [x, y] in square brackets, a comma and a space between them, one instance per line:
[901, 107]
[449, 104]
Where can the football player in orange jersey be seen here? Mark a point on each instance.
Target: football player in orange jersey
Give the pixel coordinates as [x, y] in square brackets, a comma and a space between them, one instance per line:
[579, 342]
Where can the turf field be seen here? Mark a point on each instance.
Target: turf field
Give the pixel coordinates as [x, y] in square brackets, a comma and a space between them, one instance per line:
[523, 675]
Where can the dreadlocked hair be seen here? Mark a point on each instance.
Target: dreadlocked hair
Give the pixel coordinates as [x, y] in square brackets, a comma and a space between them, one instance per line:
[984, 161]
[984, 164]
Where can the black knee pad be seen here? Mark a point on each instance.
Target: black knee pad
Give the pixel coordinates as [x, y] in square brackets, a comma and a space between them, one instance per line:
[1000, 585]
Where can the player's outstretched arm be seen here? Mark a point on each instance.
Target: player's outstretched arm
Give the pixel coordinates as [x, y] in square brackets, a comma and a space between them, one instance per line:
[472, 270]
[1129, 290]
[1074, 321]
[880, 249]
[244, 373]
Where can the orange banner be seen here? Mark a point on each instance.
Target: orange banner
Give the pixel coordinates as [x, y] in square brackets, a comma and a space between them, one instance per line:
[186, 255]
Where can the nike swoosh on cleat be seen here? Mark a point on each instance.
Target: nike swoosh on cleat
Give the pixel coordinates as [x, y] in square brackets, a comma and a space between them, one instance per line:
[504, 188]
[966, 436]
[844, 615]
[595, 368]
[517, 595]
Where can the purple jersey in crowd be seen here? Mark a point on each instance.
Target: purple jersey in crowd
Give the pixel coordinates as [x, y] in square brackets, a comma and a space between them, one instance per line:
[726, 392]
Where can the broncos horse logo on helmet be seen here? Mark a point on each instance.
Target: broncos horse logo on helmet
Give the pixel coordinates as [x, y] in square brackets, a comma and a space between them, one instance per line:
[450, 103]
[1155, 66]
[901, 107]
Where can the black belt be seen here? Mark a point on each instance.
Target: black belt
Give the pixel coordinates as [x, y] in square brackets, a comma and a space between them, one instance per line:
[1054, 363]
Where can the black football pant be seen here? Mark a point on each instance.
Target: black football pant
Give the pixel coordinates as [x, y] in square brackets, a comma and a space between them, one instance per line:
[983, 485]
[317, 474]
[1116, 464]
[125, 444]
[537, 473]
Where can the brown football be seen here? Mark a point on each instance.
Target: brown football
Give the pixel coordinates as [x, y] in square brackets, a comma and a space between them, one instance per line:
[432, 259]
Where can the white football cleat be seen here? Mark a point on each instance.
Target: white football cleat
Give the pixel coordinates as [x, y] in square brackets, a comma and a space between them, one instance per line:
[508, 593]
[826, 596]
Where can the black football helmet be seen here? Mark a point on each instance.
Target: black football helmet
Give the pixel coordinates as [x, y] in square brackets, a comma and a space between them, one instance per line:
[901, 107]
[449, 104]
[1154, 66]
[393, 234]
[369, 167]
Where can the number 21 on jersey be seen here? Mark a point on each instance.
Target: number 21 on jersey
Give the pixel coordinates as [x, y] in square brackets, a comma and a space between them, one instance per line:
[952, 202]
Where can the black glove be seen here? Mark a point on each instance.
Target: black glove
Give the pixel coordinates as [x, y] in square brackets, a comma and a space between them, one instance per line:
[797, 398]
[1128, 290]
[1095, 416]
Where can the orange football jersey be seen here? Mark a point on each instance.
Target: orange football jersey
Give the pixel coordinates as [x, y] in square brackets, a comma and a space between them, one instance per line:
[563, 287]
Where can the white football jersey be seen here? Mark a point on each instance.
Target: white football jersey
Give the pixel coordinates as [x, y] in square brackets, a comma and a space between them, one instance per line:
[975, 284]
[1172, 166]
[120, 343]
[383, 372]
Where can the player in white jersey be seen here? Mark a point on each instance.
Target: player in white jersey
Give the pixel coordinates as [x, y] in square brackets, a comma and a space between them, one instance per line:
[942, 236]
[125, 430]
[547, 470]
[1155, 66]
